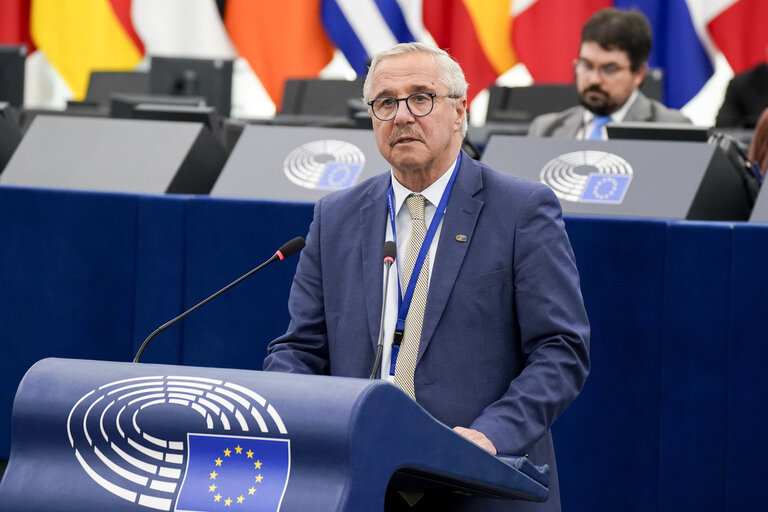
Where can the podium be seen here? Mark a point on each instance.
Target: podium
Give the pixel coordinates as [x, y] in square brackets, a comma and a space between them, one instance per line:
[91, 435]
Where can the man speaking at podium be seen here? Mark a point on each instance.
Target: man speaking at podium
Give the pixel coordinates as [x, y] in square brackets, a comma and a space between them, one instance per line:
[490, 335]
[613, 60]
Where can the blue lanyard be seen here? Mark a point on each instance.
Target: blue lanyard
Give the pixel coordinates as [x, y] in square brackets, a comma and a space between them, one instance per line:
[404, 300]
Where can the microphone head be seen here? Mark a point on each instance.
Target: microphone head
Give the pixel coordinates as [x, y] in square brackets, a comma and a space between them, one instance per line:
[290, 248]
[389, 251]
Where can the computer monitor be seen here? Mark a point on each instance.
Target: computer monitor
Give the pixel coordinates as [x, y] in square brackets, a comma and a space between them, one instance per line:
[209, 78]
[658, 131]
[12, 74]
[122, 106]
[522, 104]
[10, 133]
[102, 84]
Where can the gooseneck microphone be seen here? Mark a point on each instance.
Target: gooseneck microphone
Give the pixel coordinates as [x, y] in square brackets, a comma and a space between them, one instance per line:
[288, 249]
[388, 254]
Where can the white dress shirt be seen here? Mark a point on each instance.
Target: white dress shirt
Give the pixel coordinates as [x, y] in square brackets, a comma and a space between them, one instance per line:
[433, 194]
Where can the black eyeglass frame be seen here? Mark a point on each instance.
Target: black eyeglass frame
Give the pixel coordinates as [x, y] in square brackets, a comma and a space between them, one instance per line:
[431, 95]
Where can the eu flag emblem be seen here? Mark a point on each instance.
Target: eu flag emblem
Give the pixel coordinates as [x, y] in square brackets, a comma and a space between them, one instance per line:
[339, 174]
[605, 188]
[224, 472]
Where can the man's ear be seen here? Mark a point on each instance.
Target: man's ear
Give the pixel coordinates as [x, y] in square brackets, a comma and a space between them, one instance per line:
[639, 76]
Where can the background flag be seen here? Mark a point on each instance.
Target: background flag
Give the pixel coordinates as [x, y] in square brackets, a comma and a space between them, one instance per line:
[739, 32]
[361, 28]
[182, 28]
[280, 40]
[476, 33]
[79, 37]
[537, 24]
[14, 23]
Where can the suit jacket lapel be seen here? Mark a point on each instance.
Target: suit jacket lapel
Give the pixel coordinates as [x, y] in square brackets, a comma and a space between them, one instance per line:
[372, 230]
[572, 124]
[460, 218]
[640, 109]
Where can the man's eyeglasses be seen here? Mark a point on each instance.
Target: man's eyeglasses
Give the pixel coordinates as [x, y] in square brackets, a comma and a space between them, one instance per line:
[419, 104]
[605, 71]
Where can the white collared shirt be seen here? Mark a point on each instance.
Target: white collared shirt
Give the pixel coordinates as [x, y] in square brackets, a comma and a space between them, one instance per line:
[587, 123]
[433, 193]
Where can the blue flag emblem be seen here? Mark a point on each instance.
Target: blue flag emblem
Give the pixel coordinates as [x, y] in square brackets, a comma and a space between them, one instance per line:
[339, 174]
[232, 472]
[605, 188]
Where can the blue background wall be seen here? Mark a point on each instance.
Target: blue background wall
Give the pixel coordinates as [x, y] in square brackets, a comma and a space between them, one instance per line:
[672, 417]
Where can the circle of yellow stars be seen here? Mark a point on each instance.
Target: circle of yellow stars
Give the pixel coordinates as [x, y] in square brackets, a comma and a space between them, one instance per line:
[219, 463]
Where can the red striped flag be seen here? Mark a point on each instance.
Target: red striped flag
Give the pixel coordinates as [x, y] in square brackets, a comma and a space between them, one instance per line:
[547, 35]
[740, 33]
[476, 34]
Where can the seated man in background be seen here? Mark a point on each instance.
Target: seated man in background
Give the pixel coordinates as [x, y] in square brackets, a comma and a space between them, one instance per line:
[613, 60]
[745, 98]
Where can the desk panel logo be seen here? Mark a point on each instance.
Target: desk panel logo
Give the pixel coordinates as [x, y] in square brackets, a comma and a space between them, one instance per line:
[324, 164]
[588, 177]
[130, 437]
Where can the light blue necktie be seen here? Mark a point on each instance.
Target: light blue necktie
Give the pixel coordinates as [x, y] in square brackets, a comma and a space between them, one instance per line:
[597, 131]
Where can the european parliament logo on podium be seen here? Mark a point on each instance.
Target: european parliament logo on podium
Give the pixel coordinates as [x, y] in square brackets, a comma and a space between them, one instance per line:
[127, 437]
[588, 176]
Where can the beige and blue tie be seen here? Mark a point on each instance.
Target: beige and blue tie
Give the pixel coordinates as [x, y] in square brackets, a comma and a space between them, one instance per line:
[409, 347]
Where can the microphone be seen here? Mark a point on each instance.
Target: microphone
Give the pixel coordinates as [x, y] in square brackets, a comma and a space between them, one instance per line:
[286, 250]
[388, 255]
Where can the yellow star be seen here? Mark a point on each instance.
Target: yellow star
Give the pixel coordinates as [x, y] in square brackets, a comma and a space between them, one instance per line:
[257, 464]
[227, 452]
[218, 461]
[212, 488]
[227, 502]
[214, 475]
[238, 449]
[240, 499]
[251, 490]
[259, 478]
[217, 497]
[249, 453]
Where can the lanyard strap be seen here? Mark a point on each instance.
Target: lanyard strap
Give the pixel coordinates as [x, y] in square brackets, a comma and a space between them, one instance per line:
[404, 300]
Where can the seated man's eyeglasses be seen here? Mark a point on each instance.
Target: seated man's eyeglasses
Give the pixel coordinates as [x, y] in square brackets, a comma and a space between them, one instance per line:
[419, 104]
[606, 70]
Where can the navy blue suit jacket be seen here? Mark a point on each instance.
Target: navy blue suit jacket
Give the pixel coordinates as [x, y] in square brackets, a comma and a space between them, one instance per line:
[504, 346]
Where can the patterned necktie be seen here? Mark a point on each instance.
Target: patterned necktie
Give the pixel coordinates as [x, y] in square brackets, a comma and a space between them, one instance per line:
[597, 130]
[409, 348]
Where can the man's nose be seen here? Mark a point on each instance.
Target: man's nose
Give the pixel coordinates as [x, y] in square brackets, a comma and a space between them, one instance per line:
[403, 115]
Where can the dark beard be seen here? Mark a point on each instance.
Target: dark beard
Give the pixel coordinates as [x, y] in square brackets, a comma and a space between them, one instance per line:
[606, 108]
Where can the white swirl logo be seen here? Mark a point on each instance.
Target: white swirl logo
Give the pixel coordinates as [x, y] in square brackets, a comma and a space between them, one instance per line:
[125, 437]
[324, 164]
[588, 176]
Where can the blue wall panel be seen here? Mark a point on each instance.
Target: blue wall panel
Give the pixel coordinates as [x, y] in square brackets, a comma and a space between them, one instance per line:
[694, 367]
[621, 264]
[226, 239]
[160, 258]
[747, 414]
[67, 267]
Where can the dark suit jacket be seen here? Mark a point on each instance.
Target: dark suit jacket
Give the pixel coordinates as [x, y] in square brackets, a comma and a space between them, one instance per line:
[566, 124]
[745, 99]
[504, 345]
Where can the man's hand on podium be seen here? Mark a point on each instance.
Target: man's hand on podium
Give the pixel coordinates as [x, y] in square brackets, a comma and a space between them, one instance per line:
[477, 437]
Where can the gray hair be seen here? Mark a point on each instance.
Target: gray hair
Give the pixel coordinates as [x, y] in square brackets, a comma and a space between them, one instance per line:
[451, 74]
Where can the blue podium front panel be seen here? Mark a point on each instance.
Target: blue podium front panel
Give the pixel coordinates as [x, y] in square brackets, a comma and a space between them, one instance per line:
[91, 435]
